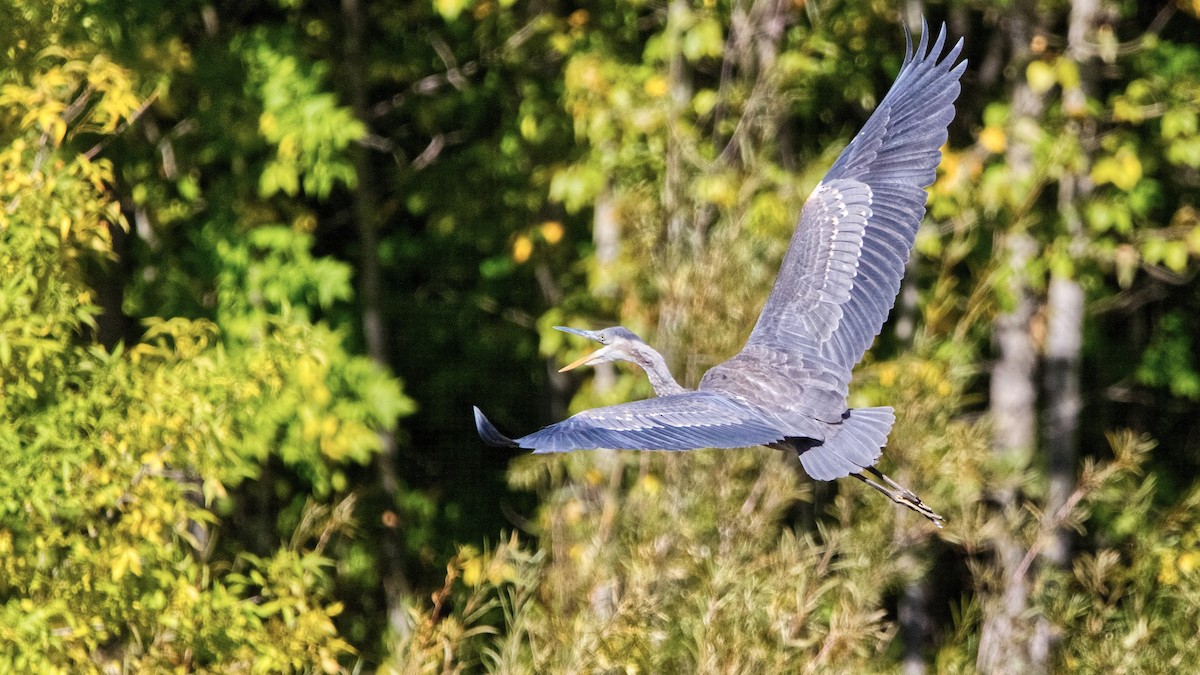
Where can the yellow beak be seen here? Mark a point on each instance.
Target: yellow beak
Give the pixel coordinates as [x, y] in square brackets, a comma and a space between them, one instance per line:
[575, 364]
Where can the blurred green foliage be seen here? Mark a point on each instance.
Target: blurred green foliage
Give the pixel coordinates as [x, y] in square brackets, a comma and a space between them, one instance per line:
[123, 467]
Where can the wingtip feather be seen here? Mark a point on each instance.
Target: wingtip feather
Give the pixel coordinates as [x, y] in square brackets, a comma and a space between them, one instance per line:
[923, 43]
[940, 42]
[488, 432]
[908, 46]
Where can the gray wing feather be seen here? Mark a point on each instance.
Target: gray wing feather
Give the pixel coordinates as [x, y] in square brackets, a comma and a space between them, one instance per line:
[857, 444]
[678, 422]
[818, 271]
[842, 270]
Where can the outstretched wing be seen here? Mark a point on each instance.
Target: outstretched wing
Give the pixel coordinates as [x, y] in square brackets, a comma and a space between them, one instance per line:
[842, 271]
[678, 422]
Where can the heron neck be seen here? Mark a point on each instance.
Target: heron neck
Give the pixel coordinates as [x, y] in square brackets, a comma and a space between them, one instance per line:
[656, 368]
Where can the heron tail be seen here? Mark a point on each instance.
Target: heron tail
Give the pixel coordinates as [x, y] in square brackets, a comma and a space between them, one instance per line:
[489, 433]
[850, 447]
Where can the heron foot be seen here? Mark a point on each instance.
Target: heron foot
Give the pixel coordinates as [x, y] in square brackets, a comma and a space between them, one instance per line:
[901, 495]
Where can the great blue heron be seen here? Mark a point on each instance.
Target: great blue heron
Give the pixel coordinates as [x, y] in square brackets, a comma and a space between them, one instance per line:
[787, 388]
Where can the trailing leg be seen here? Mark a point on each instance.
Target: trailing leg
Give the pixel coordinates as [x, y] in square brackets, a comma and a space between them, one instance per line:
[901, 495]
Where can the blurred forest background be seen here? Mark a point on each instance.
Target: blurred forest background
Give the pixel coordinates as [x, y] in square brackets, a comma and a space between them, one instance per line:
[258, 258]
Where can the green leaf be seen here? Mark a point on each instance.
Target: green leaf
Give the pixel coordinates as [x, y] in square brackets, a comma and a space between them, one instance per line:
[703, 40]
[450, 9]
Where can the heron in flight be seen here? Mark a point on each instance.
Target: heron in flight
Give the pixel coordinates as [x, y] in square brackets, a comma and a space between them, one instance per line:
[788, 386]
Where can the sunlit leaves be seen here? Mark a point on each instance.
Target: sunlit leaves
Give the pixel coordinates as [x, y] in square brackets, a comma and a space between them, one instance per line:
[1181, 131]
[1040, 76]
[271, 273]
[1043, 75]
[1171, 253]
[304, 121]
[1122, 169]
[451, 9]
[576, 186]
[993, 139]
[115, 464]
[1105, 215]
[704, 39]
[109, 501]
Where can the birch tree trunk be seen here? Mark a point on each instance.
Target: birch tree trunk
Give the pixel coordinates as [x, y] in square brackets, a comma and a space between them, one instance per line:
[1065, 298]
[1062, 400]
[1005, 634]
[1004, 639]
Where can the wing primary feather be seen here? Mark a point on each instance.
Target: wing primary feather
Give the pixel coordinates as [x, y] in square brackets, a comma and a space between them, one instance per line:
[678, 422]
[843, 268]
[489, 433]
[908, 46]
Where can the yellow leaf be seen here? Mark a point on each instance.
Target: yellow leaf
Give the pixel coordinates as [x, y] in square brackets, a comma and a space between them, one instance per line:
[472, 571]
[650, 485]
[450, 9]
[1122, 169]
[552, 231]
[127, 560]
[704, 101]
[1175, 256]
[578, 18]
[1167, 574]
[1067, 72]
[522, 249]
[1040, 76]
[993, 139]
[656, 86]
[887, 375]
[58, 129]
[268, 124]
[717, 189]
[529, 127]
[704, 39]
[289, 146]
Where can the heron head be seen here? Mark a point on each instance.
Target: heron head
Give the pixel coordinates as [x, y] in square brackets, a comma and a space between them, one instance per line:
[617, 343]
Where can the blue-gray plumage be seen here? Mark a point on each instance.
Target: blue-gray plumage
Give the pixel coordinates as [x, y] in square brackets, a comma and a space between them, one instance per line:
[788, 386]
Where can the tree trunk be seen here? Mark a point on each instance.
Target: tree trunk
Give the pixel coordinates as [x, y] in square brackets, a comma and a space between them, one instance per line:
[1064, 312]
[1005, 633]
[113, 325]
[1065, 298]
[916, 625]
[1060, 389]
[370, 294]
[1004, 638]
[606, 235]
[680, 242]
